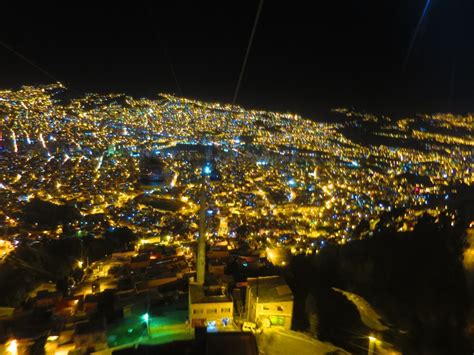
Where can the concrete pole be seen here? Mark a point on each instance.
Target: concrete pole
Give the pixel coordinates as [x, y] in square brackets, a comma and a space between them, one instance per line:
[201, 253]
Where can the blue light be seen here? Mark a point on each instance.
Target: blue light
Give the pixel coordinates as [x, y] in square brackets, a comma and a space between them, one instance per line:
[292, 182]
[211, 326]
[207, 169]
[245, 264]
[355, 163]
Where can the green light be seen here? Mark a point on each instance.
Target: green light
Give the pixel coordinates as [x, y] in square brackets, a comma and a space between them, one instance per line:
[146, 317]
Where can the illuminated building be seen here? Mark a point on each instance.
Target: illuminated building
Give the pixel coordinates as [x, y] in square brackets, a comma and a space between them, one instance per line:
[209, 306]
[269, 302]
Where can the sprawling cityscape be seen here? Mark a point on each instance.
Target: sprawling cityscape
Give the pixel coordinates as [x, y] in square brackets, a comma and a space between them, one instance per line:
[124, 189]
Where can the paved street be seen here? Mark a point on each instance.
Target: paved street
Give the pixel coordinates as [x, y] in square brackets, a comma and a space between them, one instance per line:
[284, 342]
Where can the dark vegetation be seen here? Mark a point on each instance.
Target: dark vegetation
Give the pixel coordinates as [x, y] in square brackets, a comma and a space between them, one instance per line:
[47, 214]
[54, 260]
[415, 280]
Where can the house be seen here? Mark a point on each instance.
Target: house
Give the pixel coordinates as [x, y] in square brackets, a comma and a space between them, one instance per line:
[269, 302]
[67, 306]
[216, 268]
[91, 303]
[45, 299]
[218, 252]
[209, 306]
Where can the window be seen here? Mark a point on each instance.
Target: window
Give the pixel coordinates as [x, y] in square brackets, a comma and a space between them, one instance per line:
[266, 308]
[280, 308]
[225, 310]
[277, 320]
[212, 310]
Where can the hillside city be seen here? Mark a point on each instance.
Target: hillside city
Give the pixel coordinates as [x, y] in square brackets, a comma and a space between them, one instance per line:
[263, 187]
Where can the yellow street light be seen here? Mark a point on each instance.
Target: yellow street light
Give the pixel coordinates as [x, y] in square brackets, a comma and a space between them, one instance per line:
[12, 347]
[373, 341]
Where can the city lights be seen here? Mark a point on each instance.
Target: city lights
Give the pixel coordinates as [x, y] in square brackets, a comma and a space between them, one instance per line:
[138, 177]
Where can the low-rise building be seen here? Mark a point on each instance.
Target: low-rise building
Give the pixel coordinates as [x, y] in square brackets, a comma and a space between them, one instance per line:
[45, 299]
[269, 302]
[209, 306]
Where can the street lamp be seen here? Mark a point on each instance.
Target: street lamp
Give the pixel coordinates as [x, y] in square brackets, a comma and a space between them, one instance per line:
[12, 347]
[146, 319]
[372, 342]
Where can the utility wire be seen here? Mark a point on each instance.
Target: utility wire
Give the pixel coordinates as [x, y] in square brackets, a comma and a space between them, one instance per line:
[248, 51]
[29, 61]
[170, 63]
[415, 34]
[157, 32]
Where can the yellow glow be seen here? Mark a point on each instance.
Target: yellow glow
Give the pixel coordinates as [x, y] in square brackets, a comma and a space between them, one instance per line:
[80, 263]
[372, 339]
[12, 347]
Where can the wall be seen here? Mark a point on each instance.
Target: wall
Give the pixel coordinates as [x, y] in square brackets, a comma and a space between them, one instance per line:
[206, 311]
[267, 310]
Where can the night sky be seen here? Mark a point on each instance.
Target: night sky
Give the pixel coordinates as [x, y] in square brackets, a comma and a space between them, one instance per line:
[307, 56]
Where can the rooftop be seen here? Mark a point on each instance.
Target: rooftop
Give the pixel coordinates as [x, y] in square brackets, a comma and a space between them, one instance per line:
[270, 288]
[203, 294]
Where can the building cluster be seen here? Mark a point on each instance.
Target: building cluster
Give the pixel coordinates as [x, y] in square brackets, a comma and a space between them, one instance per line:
[275, 185]
[290, 181]
[136, 296]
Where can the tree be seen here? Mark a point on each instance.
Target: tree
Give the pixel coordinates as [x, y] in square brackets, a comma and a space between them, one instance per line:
[312, 314]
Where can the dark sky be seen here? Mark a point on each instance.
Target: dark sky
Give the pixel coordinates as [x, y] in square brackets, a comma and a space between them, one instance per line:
[306, 56]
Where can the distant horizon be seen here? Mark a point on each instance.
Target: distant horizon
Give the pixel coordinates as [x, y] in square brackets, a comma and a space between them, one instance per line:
[395, 113]
[394, 58]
